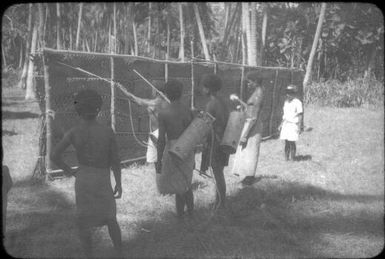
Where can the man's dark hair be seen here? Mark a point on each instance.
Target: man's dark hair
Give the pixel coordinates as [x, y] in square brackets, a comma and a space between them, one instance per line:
[254, 76]
[88, 103]
[212, 82]
[173, 90]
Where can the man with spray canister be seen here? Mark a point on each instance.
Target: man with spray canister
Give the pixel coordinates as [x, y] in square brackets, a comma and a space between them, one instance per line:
[212, 155]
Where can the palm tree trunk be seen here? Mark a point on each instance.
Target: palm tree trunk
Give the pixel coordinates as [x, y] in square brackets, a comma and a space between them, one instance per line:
[3, 54]
[181, 47]
[70, 34]
[23, 79]
[228, 28]
[314, 47]
[114, 42]
[263, 38]
[21, 47]
[79, 24]
[149, 29]
[253, 35]
[41, 25]
[30, 93]
[58, 29]
[45, 21]
[96, 40]
[168, 50]
[135, 38]
[245, 29]
[227, 13]
[201, 32]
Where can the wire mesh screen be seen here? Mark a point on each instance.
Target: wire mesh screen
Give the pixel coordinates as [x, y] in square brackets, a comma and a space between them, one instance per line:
[132, 121]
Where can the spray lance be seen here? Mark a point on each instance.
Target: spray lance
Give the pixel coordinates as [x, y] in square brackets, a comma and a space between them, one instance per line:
[234, 98]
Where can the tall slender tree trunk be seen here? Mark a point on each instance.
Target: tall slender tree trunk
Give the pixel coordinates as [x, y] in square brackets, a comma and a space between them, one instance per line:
[23, 79]
[306, 79]
[21, 47]
[230, 25]
[253, 35]
[245, 30]
[114, 43]
[371, 62]
[227, 13]
[201, 32]
[168, 49]
[70, 34]
[45, 22]
[182, 33]
[3, 54]
[149, 29]
[58, 28]
[30, 93]
[79, 24]
[41, 25]
[263, 36]
[135, 38]
[96, 40]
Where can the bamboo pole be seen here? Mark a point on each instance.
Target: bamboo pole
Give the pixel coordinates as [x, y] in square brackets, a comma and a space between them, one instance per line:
[215, 64]
[167, 51]
[273, 104]
[113, 50]
[242, 87]
[48, 114]
[98, 54]
[192, 75]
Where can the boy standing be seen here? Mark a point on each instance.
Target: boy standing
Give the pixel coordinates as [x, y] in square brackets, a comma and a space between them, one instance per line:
[291, 121]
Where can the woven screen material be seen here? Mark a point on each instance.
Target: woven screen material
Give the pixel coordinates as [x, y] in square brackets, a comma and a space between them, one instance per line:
[65, 82]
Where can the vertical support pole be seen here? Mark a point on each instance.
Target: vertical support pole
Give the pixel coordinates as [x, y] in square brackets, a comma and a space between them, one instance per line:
[192, 75]
[113, 92]
[48, 114]
[242, 86]
[215, 64]
[167, 51]
[273, 104]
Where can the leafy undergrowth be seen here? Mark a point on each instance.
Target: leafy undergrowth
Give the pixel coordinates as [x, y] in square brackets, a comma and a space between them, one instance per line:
[360, 92]
[328, 204]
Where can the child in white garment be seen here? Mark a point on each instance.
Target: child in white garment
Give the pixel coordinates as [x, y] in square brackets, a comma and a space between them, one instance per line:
[291, 121]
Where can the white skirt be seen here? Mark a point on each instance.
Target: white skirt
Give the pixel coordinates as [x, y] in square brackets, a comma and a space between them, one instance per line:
[152, 153]
[289, 131]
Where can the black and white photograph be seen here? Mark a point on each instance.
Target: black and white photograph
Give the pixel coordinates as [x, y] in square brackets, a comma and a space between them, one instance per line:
[192, 130]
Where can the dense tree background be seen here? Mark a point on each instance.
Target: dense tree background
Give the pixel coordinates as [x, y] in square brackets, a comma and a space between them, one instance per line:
[270, 34]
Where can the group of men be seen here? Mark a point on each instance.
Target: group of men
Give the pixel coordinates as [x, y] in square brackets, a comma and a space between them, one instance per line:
[174, 119]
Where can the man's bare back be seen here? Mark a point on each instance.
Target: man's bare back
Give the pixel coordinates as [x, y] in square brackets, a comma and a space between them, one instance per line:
[174, 119]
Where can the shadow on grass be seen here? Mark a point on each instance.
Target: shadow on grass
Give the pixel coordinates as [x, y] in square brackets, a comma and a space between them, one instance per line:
[9, 115]
[8, 133]
[302, 158]
[41, 214]
[260, 223]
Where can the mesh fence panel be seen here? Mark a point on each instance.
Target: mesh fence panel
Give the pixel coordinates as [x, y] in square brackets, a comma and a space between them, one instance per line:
[66, 81]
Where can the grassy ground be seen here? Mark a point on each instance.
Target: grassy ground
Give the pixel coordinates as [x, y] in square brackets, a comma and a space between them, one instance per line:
[330, 204]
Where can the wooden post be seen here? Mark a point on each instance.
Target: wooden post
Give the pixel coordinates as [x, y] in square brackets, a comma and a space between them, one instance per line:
[167, 52]
[113, 50]
[192, 74]
[242, 86]
[48, 114]
[273, 104]
[215, 64]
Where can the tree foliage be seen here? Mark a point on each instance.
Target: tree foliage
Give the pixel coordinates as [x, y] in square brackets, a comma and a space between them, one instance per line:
[351, 42]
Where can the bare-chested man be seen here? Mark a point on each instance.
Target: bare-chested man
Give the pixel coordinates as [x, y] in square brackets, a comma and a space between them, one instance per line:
[174, 176]
[217, 108]
[153, 107]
